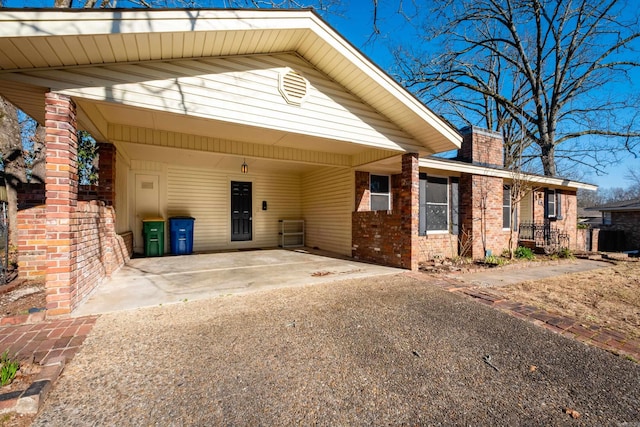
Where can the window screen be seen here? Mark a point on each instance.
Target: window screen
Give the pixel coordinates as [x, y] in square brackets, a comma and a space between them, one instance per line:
[437, 204]
[380, 197]
[506, 207]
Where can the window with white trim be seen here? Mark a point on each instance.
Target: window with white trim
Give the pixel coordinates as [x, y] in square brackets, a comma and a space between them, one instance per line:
[434, 204]
[379, 187]
[506, 207]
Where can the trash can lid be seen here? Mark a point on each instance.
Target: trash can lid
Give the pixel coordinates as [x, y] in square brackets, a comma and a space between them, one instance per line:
[182, 217]
[153, 219]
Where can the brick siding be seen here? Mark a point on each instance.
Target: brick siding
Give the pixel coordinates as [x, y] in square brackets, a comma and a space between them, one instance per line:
[65, 235]
[436, 246]
[629, 223]
[389, 237]
[481, 147]
[481, 216]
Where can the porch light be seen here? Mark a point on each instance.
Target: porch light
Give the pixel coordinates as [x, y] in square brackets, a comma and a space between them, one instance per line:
[245, 167]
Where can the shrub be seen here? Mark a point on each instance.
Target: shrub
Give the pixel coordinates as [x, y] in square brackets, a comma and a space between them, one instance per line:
[493, 260]
[565, 253]
[8, 368]
[522, 252]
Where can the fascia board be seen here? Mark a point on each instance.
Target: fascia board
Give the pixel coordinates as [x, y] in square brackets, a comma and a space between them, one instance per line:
[503, 173]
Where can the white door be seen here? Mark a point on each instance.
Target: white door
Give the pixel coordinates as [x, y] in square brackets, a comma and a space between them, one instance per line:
[147, 205]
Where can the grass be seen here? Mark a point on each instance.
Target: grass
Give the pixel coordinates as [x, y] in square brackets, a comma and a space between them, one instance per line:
[608, 297]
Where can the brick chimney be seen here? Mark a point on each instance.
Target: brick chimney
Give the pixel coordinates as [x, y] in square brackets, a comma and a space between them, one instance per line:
[481, 147]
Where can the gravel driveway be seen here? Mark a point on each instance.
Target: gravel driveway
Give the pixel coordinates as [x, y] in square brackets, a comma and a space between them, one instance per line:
[387, 350]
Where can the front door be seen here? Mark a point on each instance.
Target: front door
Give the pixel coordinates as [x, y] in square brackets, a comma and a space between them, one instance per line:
[240, 211]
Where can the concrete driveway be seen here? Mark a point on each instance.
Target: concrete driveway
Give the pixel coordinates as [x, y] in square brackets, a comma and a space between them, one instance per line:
[146, 282]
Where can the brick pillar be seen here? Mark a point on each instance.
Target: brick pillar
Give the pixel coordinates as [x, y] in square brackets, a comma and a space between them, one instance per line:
[61, 186]
[410, 209]
[107, 173]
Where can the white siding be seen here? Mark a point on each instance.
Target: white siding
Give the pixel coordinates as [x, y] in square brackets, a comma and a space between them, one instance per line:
[205, 195]
[526, 212]
[242, 90]
[327, 205]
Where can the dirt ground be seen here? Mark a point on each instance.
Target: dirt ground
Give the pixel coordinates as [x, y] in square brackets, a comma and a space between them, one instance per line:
[608, 297]
[19, 296]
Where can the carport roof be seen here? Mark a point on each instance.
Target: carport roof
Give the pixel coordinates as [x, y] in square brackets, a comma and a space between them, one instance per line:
[37, 39]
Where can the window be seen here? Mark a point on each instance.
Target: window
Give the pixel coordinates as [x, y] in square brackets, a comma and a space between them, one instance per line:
[606, 218]
[380, 196]
[551, 203]
[506, 207]
[434, 204]
[553, 206]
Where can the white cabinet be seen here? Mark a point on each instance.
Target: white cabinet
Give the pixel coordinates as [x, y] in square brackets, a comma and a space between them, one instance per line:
[291, 233]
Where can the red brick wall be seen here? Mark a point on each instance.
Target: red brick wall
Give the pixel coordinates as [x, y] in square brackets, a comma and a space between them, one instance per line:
[100, 251]
[569, 222]
[434, 246]
[389, 237]
[378, 236]
[569, 212]
[107, 173]
[32, 243]
[481, 146]
[363, 193]
[481, 215]
[82, 246]
[629, 222]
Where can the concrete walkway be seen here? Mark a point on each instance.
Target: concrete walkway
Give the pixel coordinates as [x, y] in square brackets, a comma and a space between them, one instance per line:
[146, 282]
[509, 276]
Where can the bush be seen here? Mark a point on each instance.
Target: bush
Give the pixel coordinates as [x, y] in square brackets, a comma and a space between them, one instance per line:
[565, 253]
[522, 252]
[494, 260]
[8, 368]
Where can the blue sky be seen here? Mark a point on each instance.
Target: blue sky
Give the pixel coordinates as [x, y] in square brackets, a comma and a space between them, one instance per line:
[355, 24]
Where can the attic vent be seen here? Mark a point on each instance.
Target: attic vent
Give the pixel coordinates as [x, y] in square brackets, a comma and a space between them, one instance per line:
[293, 87]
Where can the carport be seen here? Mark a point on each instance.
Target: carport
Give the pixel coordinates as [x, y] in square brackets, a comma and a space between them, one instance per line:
[146, 282]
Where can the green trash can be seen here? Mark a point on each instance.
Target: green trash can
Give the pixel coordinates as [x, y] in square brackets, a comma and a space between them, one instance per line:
[153, 233]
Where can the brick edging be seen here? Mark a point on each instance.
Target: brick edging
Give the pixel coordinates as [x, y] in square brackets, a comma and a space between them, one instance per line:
[606, 339]
[30, 400]
[38, 316]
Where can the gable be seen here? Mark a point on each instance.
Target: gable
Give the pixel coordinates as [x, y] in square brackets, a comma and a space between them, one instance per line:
[234, 91]
[65, 39]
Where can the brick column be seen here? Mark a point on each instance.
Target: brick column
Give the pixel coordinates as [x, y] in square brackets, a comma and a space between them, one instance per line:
[61, 187]
[410, 209]
[107, 173]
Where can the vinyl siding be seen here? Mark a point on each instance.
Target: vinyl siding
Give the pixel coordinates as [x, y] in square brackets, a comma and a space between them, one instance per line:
[525, 212]
[241, 90]
[205, 195]
[327, 203]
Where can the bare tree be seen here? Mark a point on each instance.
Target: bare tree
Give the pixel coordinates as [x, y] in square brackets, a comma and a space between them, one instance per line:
[549, 63]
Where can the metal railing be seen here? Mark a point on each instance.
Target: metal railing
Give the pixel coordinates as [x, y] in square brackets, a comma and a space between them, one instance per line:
[545, 236]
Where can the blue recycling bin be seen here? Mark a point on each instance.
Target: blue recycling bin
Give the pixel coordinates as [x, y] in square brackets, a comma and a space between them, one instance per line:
[181, 234]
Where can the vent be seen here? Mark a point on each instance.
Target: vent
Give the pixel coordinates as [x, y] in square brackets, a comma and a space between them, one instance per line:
[293, 87]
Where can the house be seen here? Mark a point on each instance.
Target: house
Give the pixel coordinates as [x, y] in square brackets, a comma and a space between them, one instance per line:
[619, 227]
[240, 119]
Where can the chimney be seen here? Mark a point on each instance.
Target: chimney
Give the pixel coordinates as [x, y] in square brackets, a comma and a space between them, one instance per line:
[481, 147]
